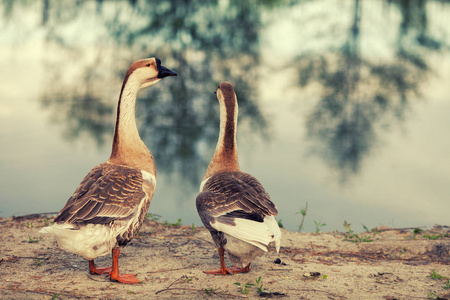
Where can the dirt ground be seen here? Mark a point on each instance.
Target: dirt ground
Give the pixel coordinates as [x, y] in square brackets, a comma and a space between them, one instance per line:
[169, 260]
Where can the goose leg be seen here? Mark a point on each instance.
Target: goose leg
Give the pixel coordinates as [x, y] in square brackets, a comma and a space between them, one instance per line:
[115, 276]
[223, 270]
[98, 271]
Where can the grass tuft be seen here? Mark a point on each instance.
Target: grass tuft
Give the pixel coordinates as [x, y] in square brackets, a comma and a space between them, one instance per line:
[318, 226]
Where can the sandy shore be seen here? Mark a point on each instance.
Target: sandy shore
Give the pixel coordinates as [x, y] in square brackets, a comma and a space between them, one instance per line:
[169, 261]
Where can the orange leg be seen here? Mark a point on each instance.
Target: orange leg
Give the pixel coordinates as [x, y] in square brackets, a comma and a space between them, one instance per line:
[124, 278]
[223, 270]
[98, 271]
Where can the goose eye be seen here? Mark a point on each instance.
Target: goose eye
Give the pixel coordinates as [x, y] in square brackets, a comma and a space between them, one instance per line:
[148, 65]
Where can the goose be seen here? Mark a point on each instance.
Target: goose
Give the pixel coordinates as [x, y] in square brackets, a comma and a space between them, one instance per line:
[109, 206]
[233, 205]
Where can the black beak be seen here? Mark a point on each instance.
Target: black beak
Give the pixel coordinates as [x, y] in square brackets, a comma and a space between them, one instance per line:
[164, 72]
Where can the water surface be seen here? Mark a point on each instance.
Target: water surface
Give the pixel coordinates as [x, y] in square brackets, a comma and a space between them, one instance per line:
[342, 105]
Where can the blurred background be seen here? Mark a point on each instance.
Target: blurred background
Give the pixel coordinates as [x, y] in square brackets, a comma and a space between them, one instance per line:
[343, 105]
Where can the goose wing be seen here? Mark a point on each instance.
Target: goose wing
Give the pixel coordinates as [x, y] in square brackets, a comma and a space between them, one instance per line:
[107, 193]
[237, 194]
[236, 203]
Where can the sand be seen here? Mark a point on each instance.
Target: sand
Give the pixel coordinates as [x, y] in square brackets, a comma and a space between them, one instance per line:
[169, 261]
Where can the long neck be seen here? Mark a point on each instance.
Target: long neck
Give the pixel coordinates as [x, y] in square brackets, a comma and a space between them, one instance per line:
[226, 156]
[128, 148]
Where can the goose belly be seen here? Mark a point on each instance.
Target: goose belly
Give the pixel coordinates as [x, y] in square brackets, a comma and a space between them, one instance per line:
[90, 241]
[240, 252]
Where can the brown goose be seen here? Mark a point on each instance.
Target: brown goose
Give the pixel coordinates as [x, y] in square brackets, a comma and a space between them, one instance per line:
[109, 206]
[233, 205]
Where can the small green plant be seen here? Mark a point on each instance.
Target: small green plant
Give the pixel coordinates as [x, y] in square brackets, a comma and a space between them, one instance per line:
[303, 213]
[280, 223]
[432, 237]
[55, 296]
[209, 291]
[244, 287]
[34, 240]
[355, 238]
[350, 236]
[176, 224]
[324, 277]
[347, 226]
[259, 286]
[153, 217]
[432, 295]
[46, 222]
[193, 228]
[447, 285]
[436, 276]
[318, 226]
[38, 262]
[365, 228]
[29, 224]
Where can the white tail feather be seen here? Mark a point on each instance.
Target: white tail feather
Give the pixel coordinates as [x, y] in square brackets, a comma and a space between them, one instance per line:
[259, 234]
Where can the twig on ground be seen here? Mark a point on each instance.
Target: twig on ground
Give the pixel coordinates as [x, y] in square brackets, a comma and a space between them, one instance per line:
[183, 279]
[400, 229]
[200, 291]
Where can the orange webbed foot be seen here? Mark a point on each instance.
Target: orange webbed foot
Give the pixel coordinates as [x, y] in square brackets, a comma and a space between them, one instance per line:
[234, 269]
[218, 272]
[228, 271]
[98, 271]
[125, 278]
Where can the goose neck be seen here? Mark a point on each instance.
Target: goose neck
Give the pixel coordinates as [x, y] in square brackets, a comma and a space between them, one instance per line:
[226, 156]
[128, 148]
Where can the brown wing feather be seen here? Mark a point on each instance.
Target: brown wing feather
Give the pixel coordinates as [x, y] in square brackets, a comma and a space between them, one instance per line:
[107, 193]
[229, 195]
[238, 190]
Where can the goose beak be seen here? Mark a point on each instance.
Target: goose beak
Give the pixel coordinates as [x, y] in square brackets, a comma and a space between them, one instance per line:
[164, 72]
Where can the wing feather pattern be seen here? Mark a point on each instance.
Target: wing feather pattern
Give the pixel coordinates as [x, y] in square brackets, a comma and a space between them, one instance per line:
[107, 193]
[235, 192]
[237, 204]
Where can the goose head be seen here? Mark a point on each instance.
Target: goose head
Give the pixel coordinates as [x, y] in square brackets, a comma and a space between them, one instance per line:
[228, 103]
[225, 92]
[146, 72]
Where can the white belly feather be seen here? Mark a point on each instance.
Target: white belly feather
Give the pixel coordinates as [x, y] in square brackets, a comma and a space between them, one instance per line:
[89, 241]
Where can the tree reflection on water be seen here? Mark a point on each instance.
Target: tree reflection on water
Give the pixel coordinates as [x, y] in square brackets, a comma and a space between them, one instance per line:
[359, 96]
[205, 44]
[219, 40]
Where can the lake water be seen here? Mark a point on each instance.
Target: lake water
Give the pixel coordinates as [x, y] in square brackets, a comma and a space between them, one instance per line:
[343, 105]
